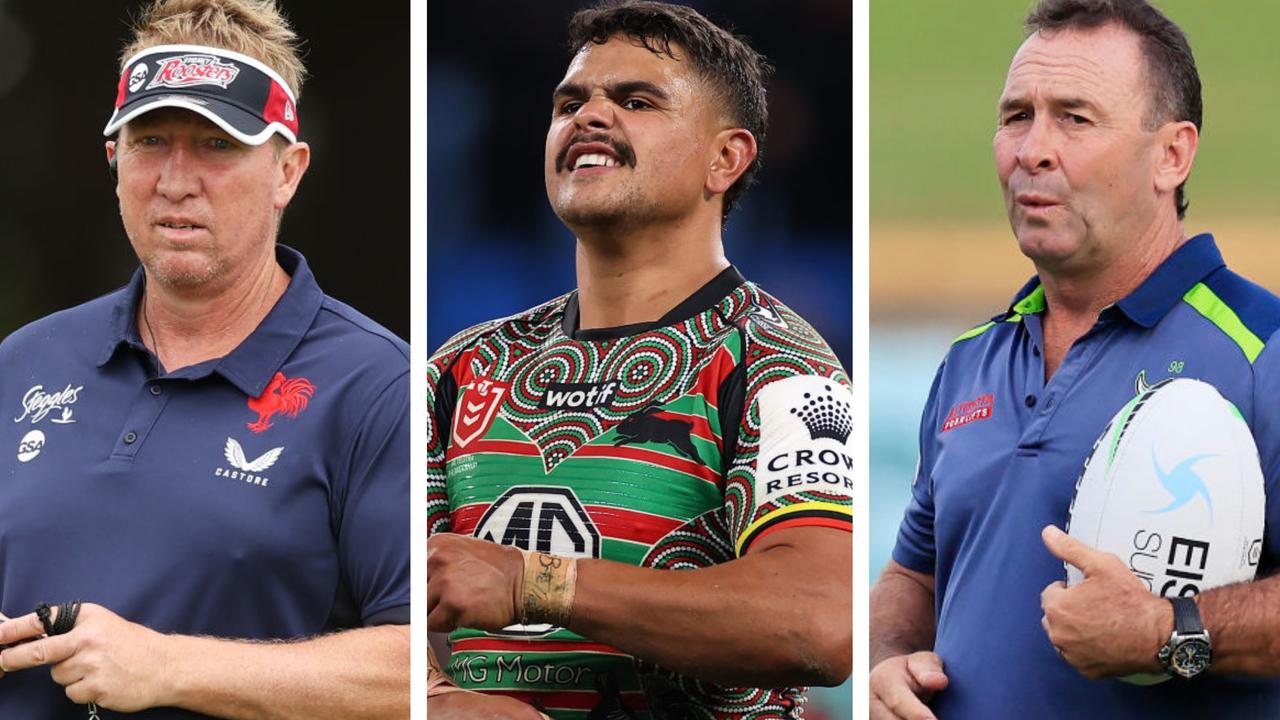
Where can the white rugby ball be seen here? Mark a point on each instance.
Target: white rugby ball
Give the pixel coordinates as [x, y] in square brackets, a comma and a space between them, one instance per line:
[1174, 487]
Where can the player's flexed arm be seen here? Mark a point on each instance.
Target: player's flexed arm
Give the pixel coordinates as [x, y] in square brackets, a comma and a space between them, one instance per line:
[777, 616]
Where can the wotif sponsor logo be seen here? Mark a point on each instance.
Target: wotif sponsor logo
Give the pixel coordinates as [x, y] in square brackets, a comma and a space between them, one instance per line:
[578, 396]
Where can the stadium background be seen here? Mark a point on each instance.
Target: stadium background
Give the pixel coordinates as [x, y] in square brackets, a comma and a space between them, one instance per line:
[495, 247]
[61, 241]
[942, 255]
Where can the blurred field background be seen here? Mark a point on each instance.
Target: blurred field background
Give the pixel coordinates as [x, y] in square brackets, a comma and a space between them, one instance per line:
[942, 256]
[494, 246]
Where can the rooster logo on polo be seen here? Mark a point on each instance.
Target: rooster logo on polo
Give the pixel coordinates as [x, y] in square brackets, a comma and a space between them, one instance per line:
[282, 395]
[187, 70]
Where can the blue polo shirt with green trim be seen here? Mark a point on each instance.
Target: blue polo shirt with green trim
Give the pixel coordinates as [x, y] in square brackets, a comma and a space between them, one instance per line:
[1000, 451]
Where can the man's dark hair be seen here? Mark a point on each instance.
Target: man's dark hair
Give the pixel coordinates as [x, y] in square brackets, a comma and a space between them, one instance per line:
[737, 72]
[1174, 82]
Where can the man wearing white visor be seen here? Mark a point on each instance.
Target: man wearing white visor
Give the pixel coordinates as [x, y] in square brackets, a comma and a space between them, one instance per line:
[205, 473]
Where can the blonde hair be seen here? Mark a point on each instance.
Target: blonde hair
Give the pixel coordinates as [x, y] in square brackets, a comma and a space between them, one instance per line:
[255, 28]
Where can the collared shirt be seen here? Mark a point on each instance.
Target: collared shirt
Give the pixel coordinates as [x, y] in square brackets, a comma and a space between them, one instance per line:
[1000, 451]
[260, 495]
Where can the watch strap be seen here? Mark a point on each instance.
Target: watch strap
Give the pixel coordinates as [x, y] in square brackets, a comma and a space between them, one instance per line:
[1186, 616]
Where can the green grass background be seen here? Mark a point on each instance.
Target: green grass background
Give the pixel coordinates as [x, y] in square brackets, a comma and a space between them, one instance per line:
[938, 66]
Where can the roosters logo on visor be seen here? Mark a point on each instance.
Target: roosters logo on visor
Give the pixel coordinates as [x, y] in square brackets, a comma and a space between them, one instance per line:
[187, 70]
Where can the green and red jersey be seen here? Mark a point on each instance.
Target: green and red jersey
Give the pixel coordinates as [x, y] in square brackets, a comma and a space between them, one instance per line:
[671, 445]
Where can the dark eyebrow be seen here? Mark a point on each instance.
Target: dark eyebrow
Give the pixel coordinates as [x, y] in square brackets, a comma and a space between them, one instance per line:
[576, 91]
[1071, 103]
[1008, 105]
[569, 90]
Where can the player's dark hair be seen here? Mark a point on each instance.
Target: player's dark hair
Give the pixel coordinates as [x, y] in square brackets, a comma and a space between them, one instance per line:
[737, 72]
[1172, 77]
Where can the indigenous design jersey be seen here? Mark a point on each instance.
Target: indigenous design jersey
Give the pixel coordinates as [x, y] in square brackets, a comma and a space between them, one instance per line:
[674, 445]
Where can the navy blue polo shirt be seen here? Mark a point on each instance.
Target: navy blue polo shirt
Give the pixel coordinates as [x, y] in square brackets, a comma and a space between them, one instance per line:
[264, 494]
[1000, 451]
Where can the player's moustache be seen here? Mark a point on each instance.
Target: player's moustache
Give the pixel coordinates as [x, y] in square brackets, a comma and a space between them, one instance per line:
[620, 147]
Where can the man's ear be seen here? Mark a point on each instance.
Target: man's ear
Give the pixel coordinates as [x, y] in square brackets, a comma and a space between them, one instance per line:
[735, 151]
[111, 160]
[294, 161]
[1178, 142]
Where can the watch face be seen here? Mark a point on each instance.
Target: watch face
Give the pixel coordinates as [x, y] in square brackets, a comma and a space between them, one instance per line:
[1191, 657]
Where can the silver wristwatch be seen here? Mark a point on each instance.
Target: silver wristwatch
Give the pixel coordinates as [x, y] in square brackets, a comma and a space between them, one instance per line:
[1188, 652]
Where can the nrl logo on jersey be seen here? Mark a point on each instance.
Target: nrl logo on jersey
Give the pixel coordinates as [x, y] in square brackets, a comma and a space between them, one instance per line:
[37, 404]
[187, 70]
[244, 469]
[477, 409]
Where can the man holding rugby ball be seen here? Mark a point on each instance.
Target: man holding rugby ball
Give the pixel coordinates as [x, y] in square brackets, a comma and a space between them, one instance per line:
[1098, 129]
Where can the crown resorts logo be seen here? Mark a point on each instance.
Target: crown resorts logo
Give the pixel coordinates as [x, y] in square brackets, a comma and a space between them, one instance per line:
[825, 416]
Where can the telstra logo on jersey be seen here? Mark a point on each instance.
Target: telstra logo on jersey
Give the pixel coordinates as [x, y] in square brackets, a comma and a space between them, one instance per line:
[578, 396]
